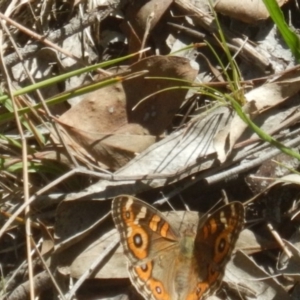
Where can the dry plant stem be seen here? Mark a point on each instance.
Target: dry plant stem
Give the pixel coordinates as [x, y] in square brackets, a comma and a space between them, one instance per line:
[245, 42]
[279, 240]
[40, 38]
[48, 271]
[25, 170]
[248, 53]
[202, 36]
[56, 137]
[74, 26]
[18, 220]
[33, 198]
[30, 77]
[94, 265]
[146, 34]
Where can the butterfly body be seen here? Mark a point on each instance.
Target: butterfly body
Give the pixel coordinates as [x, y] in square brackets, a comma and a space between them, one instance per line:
[165, 264]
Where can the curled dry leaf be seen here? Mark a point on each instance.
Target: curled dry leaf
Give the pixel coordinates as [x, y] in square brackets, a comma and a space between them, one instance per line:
[107, 127]
[185, 152]
[138, 14]
[249, 11]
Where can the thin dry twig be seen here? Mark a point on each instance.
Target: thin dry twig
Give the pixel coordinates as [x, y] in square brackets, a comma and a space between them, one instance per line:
[73, 27]
[279, 240]
[220, 176]
[248, 52]
[39, 37]
[94, 265]
[25, 170]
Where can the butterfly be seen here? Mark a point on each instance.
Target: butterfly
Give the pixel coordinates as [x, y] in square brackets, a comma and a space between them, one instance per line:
[164, 264]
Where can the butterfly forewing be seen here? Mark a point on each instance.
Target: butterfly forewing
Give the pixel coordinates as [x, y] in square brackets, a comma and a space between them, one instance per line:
[144, 231]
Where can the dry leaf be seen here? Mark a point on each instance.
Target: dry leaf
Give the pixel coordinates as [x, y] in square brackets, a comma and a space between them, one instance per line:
[290, 267]
[249, 11]
[156, 112]
[258, 101]
[104, 123]
[245, 275]
[75, 220]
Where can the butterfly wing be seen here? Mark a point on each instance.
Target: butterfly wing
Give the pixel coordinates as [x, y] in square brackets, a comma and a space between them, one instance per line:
[147, 239]
[144, 231]
[214, 243]
[152, 247]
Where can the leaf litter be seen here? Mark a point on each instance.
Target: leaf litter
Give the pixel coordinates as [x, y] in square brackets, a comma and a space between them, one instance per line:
[152, 132]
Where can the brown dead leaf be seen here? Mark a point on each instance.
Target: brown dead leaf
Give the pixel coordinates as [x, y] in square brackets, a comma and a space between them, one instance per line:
[249, 11]
[102, 111]
[290, 266]
[156, 112]
[104, 123]
[180, 154]
[113, 150]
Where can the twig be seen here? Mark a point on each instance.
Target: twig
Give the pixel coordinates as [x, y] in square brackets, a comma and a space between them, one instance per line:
[38, 37]
[74, 26]
[279, 240]
[248, 53]
[25, 169]
[48, 271]
[213, 179]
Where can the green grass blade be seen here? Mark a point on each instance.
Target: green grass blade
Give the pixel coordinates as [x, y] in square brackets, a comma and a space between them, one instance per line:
[291, 39]
[65, 76]
[263, 135]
